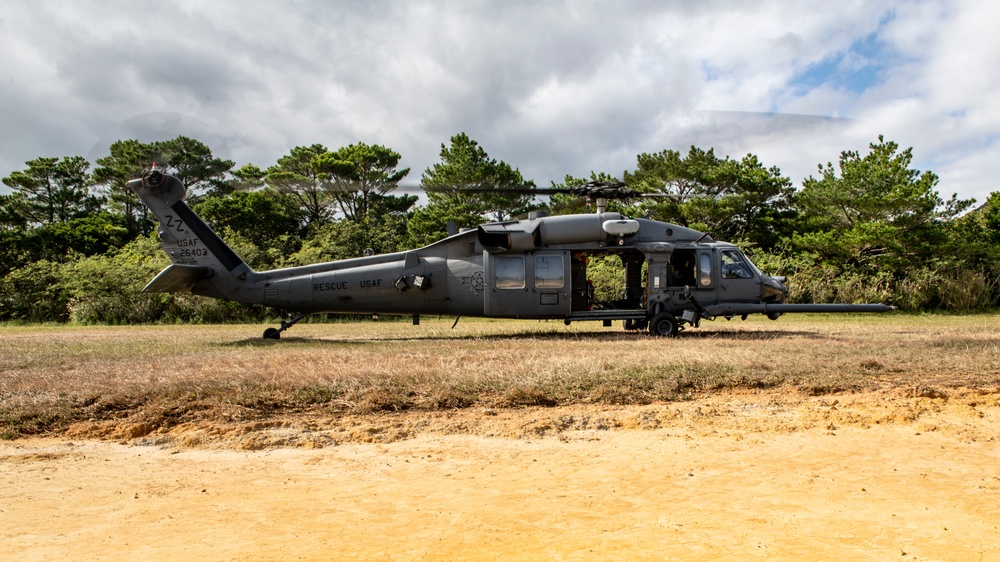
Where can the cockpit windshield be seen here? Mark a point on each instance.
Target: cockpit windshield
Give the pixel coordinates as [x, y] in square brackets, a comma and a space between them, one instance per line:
[735, 266]
[753, 267]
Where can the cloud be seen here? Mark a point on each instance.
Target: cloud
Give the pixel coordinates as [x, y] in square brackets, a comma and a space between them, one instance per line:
[552, 88]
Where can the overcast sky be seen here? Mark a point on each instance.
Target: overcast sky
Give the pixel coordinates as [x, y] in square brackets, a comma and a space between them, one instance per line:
[551, 88]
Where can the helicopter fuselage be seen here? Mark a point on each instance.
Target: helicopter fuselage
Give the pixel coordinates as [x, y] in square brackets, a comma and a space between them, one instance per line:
[533, 268]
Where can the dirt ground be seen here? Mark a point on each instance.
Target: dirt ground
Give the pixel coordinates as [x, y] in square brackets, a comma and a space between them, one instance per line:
[772, 475]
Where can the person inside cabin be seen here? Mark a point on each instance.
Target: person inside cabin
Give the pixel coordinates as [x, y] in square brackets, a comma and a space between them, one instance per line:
[682, 268]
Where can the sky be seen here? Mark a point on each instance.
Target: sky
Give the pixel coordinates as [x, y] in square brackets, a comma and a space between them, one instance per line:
[551, 88]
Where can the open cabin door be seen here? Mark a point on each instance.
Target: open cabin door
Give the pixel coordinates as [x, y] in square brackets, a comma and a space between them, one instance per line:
[528, 284]
[691, 269]
[679, 273]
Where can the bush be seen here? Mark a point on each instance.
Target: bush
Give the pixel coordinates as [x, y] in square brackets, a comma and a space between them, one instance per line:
[34, 293]
[918, 290]
[608, 276]
[967, 290]
[107, 289]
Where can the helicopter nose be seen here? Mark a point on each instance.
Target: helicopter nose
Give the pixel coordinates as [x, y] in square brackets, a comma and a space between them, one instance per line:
[773, 291]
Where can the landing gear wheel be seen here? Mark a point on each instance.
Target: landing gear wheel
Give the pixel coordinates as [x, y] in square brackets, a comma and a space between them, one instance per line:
[275, 333]
[664, 325]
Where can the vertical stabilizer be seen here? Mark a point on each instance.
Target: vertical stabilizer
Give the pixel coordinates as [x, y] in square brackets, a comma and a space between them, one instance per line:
[202, 263]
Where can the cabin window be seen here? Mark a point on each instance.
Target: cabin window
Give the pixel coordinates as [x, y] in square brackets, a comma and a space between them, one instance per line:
[705, 270]
[734, 266]
[509, 272]
[549, 272]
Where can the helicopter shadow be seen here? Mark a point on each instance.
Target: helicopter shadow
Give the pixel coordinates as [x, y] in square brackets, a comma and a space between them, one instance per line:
[758, 335]
[264, 342]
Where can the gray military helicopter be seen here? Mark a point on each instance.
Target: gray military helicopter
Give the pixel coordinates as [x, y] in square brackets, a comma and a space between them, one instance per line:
[533, 268]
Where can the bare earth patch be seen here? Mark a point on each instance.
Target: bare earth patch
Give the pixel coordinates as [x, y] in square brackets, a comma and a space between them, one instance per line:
[765, 474]
[806, 439]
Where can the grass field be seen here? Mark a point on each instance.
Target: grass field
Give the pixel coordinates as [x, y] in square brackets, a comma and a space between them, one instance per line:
[158, 376]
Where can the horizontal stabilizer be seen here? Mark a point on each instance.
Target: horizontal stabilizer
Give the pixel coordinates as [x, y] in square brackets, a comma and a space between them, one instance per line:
[177, 278]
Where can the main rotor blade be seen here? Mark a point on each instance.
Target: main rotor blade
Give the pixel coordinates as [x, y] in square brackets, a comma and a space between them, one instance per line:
[590, 190]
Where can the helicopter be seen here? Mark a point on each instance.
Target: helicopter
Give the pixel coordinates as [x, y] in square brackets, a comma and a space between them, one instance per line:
[535, 268]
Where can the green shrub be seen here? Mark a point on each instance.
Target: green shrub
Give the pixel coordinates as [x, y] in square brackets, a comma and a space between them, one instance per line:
[966, 290]
[34, 293]
[608, 276]
[107, 289]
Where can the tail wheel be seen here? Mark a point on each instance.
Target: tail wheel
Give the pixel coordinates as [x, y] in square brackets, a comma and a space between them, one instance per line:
[272, 334]
[664, 325]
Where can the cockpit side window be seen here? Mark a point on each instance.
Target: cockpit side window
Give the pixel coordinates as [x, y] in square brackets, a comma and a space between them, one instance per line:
[734, 266]
[704, 270]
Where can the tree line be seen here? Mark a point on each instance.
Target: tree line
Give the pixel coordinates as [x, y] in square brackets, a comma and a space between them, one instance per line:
[77, 245]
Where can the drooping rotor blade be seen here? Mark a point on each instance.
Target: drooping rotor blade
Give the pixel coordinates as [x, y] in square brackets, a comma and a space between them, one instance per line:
[590, 190]
[605, 190]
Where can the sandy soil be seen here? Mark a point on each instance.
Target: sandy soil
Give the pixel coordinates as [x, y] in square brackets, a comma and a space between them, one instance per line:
[733, 477]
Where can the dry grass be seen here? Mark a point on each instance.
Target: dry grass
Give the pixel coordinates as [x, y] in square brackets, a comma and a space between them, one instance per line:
[160, 376]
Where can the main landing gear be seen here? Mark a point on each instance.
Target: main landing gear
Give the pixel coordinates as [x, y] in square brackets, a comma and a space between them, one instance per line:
[664, 325]
[275, 333]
